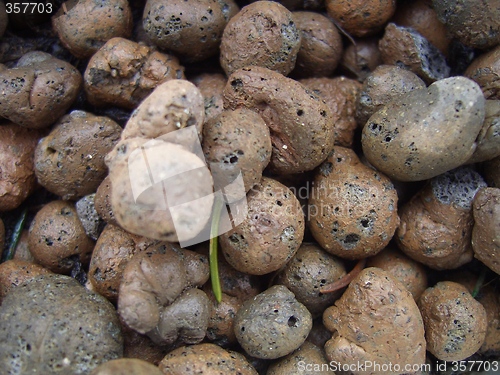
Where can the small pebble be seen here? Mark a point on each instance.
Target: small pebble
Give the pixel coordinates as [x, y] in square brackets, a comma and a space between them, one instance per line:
[455, 323]
[60, 327]
[272, 324]
[426, 132]
[89, 217]
[406, 48]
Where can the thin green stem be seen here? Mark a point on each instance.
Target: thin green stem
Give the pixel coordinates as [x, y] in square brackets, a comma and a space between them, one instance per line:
[479, 282]
[214, 264]
[18, 230]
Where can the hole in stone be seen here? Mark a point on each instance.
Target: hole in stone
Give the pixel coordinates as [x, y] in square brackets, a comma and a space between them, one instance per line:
[237, 83]
[351, 238]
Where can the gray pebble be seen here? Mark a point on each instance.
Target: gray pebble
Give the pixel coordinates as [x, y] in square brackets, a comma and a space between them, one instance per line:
[475, 23]
[426, 132]
[51, 324]
[457, 187]
[272, 324]
[90, 219]
[307, 272]
[406, 48]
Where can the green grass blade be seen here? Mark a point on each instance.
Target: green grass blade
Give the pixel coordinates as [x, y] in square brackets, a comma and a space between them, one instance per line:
[214, 265]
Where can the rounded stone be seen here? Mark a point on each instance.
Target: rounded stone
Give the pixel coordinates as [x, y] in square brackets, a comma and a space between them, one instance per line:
[272, 324]
[455, 323]
[426, 132]
[51, 324]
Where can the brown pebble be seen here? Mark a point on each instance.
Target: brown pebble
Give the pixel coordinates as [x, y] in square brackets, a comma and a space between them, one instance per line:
[15, 272]
[57, 239]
